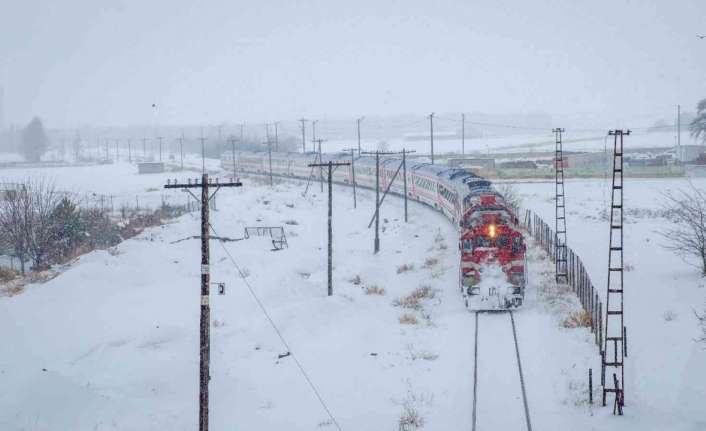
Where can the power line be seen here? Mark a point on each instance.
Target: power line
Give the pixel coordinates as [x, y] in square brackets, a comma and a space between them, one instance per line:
[279, 335]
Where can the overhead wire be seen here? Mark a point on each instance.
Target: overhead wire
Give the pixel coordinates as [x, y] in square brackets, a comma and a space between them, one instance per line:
[279, 334]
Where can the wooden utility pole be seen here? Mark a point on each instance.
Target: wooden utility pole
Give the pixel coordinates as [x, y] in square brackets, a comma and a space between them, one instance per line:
[232, 148]
[321, 174]
[205, 323]
[303, 121]
[276, 136]
[181, 150]
[159, 138]
[358, 121]
[431, 135]
[463, 134]
[378, 200]
[269, 156]
[203, 152]
[330, 217]
[353, 173]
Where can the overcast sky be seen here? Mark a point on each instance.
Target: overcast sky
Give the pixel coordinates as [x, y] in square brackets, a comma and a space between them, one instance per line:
[105, 62]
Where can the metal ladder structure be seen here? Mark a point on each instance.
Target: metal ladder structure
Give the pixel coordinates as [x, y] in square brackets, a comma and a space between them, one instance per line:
[560, 250]
[615, 347]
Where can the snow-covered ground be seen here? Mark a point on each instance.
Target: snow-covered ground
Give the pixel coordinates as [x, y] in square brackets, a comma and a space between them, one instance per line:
[665, 372]
[112, 343]
[537, 141]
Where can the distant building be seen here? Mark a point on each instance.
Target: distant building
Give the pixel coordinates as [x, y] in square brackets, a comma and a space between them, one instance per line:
[150, 167]
[689, 153]
[472, 163]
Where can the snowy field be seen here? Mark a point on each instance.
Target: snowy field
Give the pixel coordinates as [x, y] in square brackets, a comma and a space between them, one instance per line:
[665, 374]
[537, 141]
[112, 343]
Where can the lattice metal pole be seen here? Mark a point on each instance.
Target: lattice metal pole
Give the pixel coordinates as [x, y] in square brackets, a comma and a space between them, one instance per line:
[614, 340]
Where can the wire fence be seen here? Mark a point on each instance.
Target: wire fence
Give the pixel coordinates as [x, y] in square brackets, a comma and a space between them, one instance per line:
[577, 276]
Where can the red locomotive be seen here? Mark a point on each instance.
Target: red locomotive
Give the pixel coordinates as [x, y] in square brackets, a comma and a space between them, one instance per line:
[493, 270]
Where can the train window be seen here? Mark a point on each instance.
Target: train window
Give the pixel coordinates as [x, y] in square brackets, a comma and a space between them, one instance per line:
[468, 245]
[503, 241]
[481, 241]
[516, 244]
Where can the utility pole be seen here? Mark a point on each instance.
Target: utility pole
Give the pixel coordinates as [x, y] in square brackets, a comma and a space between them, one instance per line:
[117, 151]
[431, 135]
[276, 137]
[159, 138]
[269, 155]
[330, 217]
[679, 130]
[181, 150]
[203, 152]
[404, 175]
[321, 174]
[378, 201]
[303, 121]
[144, 149]
[463, 134]
[205, 323]
[353, 173]
[358, 121]
[232, 148]
[129, 150]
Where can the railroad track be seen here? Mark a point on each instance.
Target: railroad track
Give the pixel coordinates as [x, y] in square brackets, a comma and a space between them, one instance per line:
[499, 395]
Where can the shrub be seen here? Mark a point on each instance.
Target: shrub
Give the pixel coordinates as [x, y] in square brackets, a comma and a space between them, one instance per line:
[577, 319]
[8, 274]
[410, 419]
[374, 290]
[356, 280]
[412, 301]
[430, 261]
[405, 268]
[408, 319]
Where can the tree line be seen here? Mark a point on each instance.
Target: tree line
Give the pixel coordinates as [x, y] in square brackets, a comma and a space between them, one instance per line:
[42, 226]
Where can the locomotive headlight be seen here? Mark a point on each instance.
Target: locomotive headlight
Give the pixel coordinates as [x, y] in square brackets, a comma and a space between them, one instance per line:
[491, 231]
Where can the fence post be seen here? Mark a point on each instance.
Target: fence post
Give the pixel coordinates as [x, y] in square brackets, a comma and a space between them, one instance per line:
[590, 386]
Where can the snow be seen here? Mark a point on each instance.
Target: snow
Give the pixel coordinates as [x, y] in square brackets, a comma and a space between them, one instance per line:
[112, 342]
[665, 377]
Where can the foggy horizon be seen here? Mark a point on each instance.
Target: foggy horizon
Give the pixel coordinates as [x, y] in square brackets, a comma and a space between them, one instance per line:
[588, 65]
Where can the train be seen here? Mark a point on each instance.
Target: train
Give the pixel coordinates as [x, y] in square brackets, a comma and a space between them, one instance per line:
[492, 271]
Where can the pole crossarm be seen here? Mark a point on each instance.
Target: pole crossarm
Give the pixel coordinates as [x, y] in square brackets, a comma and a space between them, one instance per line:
[334, 164]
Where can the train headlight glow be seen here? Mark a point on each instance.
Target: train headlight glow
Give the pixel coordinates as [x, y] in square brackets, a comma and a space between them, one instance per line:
[491, 231]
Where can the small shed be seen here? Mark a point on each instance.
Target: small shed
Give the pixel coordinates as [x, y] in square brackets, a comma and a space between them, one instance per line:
[150, 167]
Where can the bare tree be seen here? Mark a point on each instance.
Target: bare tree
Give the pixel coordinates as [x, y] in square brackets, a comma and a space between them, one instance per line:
[43, 198]
[702, 323]
[686, 235]
[510, 195]
[15, 222]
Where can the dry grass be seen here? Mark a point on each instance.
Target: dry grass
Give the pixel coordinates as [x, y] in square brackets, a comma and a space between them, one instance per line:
[578, 319]
[405, 268]
[12, 290]
[413, 300]
[374, 290]
[669, 315]
[410, 419]
[430, 262]
[408, 319]
[291, 222]
[356, 281]
[7, 274]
